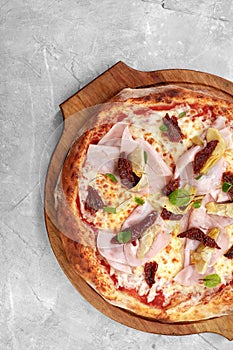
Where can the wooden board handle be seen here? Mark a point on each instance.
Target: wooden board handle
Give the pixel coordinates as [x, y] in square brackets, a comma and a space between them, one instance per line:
[121, 75]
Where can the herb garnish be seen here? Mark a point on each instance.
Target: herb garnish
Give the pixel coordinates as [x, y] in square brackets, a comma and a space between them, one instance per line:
[163, 128]
[139, 200]
[145, 157]
[111, 177]
[197, 204]
[124, 236]
[179, 197]
[226, 186]
[182, 115]
[212, 280]
[109, 210]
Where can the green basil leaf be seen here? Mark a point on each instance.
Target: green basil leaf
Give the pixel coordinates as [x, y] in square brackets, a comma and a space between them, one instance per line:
[197, 204]
[212, 280]
[163, 128]
[179, 197]
[139, 200]
[109, 210]
[226, 186]
[198, 177]
[124, 236]
[145, 157]
[111, 177]
[182, 115]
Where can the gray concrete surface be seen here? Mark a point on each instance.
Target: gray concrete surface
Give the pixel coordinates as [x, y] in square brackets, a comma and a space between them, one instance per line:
[49, 50]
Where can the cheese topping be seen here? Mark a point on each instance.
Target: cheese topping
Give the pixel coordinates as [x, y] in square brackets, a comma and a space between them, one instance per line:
[152, 159]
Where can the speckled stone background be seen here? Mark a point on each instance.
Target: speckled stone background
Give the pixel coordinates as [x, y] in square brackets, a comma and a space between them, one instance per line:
[49, 50]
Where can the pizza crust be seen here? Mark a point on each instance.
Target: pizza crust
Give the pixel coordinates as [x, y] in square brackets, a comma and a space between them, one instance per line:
[78, 237]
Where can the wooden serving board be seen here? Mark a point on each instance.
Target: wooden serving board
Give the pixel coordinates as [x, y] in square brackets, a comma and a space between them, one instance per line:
[98, 91]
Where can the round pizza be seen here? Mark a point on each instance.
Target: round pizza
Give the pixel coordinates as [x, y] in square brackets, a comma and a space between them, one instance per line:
[145, 203]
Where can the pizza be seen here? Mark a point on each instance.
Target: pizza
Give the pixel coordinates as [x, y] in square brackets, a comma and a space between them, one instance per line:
[144, 203]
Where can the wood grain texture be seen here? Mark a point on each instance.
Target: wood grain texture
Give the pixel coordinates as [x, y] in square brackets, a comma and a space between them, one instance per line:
[98, 91]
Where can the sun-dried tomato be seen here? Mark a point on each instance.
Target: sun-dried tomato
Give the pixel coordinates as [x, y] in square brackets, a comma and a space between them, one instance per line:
[198, 235]
[137, 229]
[150, 269]
[128, 178]
[202, 156]
[229, 253]
[171, 186]
[168, 215]
[228, 177]
[93, 201]
[174, 132]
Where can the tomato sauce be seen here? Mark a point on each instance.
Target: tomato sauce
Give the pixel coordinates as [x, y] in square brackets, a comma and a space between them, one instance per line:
[121, 116]
[81, 216]
[164, 107]
[156, 302]
[203, 110]
[107, 267]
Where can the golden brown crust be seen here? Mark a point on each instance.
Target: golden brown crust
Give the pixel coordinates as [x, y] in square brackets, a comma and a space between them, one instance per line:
[87, 263]
[79, 239]
[169, 95]
[68, 213]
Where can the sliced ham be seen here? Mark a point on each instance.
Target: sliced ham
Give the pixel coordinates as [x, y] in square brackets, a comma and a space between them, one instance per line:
[120, 267]
[130, 251]
[100, 158]
[114, 135]
[184, 222]
[220, 196]
[189, 245]
[183, 162]
[219, 123]
[124, 256]
[137, 215]
[155, 161]
[207, 183]
[227, 136]
[199, 218]
[226, 132]
[189, 276]
[223, 243]
[112, 252]
[128, 144]
[161, 240]
[158, 173]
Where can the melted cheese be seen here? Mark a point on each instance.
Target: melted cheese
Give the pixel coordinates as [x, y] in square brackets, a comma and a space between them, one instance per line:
[170, 259]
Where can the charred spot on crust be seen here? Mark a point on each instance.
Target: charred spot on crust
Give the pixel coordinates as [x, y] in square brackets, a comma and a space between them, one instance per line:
[69, 190]
[74, 175]
[173, 92]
